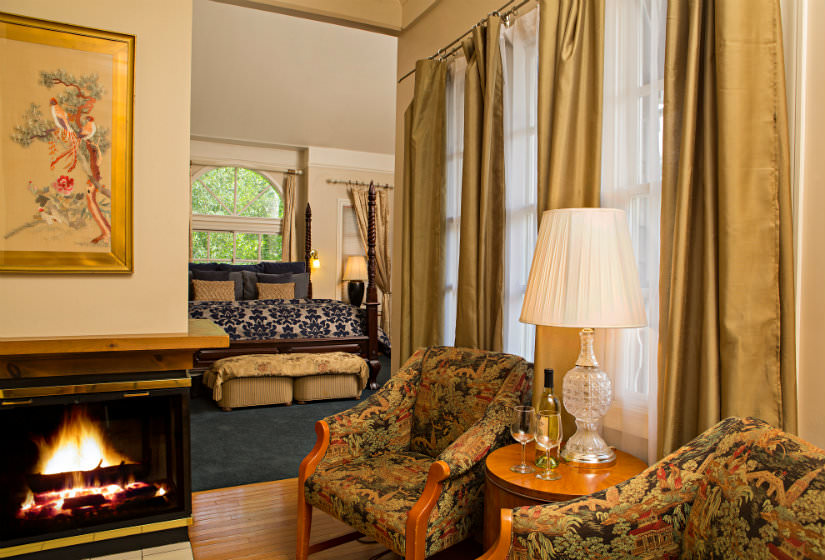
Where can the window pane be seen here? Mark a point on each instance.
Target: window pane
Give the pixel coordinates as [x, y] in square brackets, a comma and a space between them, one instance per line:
[246, 246]
[199, 245]
[221, 181]
[205, 203]
[268, 206]
[220, 245]
[250, 185]
[271, 247]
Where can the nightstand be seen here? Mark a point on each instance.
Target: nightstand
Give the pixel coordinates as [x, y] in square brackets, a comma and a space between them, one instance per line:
[507, 489]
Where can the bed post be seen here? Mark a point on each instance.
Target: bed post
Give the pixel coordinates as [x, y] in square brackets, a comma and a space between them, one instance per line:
[308, 248]
[372, 292]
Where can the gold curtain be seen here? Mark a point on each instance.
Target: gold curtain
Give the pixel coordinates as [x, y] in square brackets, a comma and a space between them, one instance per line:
[571, 47]
[481, 245]
[726, 284]
[360, 199]
[288, 243]
[571, 64]
[422, 254]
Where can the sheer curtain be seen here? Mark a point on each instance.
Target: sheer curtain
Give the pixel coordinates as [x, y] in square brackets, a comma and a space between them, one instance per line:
[452, 204]
[632, 180]
[519, 51]
[519, 54]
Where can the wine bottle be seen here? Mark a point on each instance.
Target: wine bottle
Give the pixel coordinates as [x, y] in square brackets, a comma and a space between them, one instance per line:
[548, 404]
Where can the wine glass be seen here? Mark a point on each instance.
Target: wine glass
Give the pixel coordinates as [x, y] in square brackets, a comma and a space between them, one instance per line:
[548, 437]
[523, 430]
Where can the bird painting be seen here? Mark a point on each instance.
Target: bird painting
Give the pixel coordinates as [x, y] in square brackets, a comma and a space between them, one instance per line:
[89, 128]
[61, 119]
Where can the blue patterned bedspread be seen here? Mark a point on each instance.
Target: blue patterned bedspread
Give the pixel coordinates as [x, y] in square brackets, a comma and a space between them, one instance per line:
[262, 319]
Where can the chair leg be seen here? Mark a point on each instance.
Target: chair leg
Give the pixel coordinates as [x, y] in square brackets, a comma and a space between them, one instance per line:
[304, 526]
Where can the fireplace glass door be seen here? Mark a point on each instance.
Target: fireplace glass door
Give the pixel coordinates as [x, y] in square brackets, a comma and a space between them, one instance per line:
[102, 463]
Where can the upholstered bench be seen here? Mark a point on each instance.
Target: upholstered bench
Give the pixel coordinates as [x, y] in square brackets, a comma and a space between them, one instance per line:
[264, 379]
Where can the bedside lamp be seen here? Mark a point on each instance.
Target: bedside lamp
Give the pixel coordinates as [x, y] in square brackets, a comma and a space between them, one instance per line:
[584, 275]
[355, 272]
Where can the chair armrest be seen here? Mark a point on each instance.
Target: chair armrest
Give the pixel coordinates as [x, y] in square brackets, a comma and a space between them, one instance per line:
[501, 547]
[490, 431]
[380, 423]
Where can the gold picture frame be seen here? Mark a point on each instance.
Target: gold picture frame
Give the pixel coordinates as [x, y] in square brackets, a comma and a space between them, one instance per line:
[66, 107]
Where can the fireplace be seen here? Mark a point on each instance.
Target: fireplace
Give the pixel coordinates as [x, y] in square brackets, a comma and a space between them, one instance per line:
[93, 465]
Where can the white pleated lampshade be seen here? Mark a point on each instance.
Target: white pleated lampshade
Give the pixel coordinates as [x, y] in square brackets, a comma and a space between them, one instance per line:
[355, 268]
[584, 273]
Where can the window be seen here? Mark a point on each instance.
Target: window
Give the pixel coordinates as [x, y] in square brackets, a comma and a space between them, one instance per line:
[236, 216]
[632, 180]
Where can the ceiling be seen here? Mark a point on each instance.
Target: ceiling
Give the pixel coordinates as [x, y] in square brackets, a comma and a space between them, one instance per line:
[382, 16]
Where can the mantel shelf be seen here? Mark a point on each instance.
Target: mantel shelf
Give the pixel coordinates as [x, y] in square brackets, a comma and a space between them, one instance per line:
[202, 333]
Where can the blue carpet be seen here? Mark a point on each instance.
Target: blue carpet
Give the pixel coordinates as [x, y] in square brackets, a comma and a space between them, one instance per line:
[256, 444]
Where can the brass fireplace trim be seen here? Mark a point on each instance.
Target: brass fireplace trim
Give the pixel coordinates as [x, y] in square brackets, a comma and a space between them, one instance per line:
[109, 387]
[94, 537]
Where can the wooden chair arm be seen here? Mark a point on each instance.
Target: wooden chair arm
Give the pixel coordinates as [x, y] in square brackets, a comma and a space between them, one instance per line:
[419, 515]
[501, 547]
[310, 462]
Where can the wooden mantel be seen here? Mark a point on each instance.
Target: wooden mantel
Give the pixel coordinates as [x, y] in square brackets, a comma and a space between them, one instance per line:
[53, 356]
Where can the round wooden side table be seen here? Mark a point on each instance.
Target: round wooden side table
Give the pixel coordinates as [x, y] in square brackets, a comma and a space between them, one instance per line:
[507, 489]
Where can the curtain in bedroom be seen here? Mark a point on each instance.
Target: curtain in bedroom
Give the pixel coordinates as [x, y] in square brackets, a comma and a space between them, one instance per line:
[289, 247]
[519, 57]
[726, 288]
[360, 199]
[423, 223]
[571, 47]
[481, 242]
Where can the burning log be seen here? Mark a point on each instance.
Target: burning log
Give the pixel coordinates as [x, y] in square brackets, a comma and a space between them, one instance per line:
[120, 474]
[88, 500]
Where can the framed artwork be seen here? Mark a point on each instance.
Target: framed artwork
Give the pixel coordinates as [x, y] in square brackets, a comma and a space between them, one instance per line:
[65, 148]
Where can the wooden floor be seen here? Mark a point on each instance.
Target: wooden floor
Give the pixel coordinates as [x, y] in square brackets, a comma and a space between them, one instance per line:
[258, 522]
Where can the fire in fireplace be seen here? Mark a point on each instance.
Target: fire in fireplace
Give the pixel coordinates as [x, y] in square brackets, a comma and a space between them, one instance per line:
[80, 474]
[97, 460]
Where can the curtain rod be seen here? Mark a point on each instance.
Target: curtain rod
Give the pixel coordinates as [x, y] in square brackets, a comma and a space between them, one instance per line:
[360, 183]
[255, 166]
[443, 53]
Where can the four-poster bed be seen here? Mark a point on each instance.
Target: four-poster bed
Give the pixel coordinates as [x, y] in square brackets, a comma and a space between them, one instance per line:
[366, 343]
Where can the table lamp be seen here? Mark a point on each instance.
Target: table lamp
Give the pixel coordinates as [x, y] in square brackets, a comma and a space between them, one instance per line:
[355, 272]
[584, 275]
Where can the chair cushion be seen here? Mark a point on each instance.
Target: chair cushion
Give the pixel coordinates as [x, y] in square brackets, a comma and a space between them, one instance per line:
[457, 385]
[371, 494]
[762, 496]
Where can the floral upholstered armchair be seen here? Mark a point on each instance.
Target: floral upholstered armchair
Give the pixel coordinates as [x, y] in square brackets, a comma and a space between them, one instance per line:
[741, 490]
[405, 467]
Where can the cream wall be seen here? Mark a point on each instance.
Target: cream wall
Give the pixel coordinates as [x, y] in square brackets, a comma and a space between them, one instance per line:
[265, 77]
[323, 164]
[153, 298]
[809, 50]
[436, 26]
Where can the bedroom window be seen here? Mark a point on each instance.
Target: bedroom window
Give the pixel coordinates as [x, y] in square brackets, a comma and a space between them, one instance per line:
[632, 180]
[236, 216]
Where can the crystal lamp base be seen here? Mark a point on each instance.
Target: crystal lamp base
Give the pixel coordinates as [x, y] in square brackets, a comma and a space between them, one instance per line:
[587, 446]
[587, 394]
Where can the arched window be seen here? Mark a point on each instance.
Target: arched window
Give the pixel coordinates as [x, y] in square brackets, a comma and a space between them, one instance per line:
[236, 216]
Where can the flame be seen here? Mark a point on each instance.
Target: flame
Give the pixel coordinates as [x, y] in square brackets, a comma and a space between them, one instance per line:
[50, 504]
[78, 446]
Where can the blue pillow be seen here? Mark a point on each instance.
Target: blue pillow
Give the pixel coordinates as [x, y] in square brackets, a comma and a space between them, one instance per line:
[203, 266]
[275, 267]
[239, 267]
